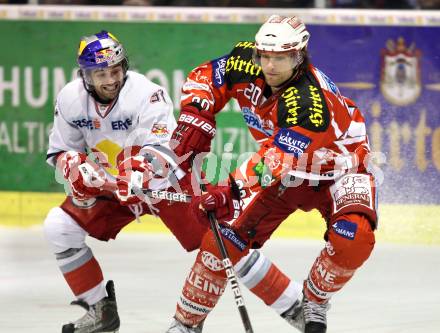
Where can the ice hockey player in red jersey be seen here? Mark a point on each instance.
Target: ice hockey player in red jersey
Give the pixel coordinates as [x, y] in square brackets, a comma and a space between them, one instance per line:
[313, 154]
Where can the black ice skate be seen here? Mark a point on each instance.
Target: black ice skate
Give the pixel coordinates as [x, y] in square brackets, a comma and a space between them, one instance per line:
[178, 327]
[100, 317]
[307, 316]
[315, 316]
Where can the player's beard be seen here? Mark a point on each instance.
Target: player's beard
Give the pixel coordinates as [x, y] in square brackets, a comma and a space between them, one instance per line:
[107, 93]
[278, 80]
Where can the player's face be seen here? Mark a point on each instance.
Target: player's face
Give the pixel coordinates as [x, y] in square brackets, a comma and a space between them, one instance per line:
[277, 67]
[108, 81]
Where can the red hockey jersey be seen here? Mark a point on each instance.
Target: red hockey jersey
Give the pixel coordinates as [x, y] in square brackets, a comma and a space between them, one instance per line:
[306, 129]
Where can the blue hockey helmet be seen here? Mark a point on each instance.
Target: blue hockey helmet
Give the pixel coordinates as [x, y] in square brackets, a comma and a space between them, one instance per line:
[99, 51]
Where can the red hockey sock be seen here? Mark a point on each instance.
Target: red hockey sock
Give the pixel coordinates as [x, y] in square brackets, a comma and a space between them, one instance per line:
[82, 273]
[203, 287]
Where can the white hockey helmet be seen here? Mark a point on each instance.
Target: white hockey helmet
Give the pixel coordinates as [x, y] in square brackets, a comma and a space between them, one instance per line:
[282, 34]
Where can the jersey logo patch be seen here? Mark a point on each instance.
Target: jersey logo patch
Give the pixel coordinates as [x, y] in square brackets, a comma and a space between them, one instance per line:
[157, 97]
[304, 105]
[263, 173]
[159, 130]
[253, 120]
[350, 190]
[345, 229]
[218, 71]
[87, 123]
[329, 83]
[121, 125]
[292, 142]
[96, 123]
[240, 68]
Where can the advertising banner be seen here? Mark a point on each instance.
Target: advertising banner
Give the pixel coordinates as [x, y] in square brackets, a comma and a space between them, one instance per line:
[390, 68]
[393, 74]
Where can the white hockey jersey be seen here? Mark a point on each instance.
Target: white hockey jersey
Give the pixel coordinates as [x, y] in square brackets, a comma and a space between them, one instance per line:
[142, 115]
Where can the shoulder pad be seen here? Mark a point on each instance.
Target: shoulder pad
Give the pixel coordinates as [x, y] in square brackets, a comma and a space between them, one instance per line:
[137, 83]
[240, 66]
[303, 104]
[138, 89]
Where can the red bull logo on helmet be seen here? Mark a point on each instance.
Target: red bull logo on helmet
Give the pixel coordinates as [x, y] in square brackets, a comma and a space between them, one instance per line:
[105, 55]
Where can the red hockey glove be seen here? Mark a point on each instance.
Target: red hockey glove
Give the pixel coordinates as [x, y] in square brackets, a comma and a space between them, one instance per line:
[135, 172]
[85, 177]
[194, 133]
[224, 201]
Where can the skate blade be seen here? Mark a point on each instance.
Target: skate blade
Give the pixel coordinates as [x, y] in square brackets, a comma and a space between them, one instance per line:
[70, 329]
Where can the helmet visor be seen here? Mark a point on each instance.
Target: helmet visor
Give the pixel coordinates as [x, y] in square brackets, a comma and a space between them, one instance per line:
[277, 61]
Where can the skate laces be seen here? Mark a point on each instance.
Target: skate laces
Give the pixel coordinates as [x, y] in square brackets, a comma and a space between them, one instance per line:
[90, 317]
[94, 315]
[99, 317]
[178, 327]
[315, 312]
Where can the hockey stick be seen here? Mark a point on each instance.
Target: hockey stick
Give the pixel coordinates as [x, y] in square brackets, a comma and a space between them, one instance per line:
[229, 268]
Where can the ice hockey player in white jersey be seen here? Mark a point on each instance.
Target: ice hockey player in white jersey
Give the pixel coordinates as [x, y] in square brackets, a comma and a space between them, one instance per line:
[98, 115]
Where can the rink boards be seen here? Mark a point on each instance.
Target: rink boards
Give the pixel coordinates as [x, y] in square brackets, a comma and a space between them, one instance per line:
[417, 224]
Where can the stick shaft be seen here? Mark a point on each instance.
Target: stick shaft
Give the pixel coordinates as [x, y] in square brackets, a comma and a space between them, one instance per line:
[229, 268]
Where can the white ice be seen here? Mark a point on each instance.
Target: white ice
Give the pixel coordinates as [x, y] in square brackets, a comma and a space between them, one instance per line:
[397, 290]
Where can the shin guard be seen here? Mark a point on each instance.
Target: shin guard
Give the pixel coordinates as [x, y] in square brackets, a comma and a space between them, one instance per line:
[207, 279]
[203, 287]
[350, 242]
[83, 274]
